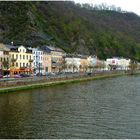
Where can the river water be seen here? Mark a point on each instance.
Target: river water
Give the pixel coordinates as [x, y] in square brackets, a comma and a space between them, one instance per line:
[108, 108]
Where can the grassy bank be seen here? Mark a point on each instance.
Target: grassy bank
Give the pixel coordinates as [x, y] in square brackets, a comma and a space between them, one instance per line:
[46, 84]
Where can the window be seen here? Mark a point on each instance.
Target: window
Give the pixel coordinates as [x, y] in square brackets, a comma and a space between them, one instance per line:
[16, 64]
[23, 56]
[26, 64]
[20, 57]
[23, 64]
[27, 57]
[20, 64]
[13, 56]
[16, 56]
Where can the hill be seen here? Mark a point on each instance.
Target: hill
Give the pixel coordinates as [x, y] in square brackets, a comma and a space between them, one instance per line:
[73, 27]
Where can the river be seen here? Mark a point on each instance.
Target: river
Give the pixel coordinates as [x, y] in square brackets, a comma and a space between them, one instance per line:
[108, 108]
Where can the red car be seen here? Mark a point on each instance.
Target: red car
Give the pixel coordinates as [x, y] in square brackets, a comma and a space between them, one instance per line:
[17, 76]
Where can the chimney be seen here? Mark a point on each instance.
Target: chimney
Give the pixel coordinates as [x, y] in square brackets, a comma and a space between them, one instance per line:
[12, 43]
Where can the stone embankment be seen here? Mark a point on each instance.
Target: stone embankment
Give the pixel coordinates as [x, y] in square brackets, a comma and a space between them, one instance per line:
[9, 85]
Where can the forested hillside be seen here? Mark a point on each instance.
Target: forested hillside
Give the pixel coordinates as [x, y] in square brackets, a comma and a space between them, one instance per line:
[75, 28]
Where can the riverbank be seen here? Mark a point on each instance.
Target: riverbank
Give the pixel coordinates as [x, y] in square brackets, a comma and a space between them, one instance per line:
[57, 82]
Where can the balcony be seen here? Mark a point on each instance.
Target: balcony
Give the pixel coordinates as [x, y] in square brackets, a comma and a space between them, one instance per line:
[55, 64]
[13, 59]
[31, 60]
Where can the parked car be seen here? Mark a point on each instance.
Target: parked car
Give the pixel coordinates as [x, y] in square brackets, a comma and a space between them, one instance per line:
[89, 73]
[50, 74]
[53, 74]
[1, 76]
[60, 73]
[6, 76]
[24, 75]
[17, 76]
[39, 74]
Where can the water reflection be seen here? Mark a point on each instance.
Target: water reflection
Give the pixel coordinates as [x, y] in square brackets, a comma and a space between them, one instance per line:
[97, 109]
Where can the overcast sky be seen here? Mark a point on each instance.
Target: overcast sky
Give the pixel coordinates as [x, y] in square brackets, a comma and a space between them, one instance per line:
[126, 5]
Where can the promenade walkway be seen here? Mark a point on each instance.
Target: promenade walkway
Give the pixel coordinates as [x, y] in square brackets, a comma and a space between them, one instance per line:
[30, 83]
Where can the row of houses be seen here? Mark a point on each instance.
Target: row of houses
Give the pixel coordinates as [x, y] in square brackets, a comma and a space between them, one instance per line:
[20, 59]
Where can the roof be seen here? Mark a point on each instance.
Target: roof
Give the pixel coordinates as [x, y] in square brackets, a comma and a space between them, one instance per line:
[15, 48]
[3, 47]
[51, 48]
[55, 49]
[77, 56]
[35, 49]
[11, 46]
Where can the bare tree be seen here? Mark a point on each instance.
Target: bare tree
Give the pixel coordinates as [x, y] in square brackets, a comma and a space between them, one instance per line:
[6, 66]
[62, 65]
[133, 66]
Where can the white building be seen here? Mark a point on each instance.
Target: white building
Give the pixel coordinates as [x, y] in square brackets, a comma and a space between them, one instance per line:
[118, 63]
[73, 63]
[37, 60]
[93, 60]
[124, 63]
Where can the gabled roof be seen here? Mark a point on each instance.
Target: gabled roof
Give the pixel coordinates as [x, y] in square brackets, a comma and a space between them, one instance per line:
[15, 48]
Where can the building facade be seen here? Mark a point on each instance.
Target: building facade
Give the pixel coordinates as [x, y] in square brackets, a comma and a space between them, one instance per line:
[21, 59]
[118, 63]
[37, 60]
[57, 57]
[4, 59]
[73, 62]
[84, 64]
[47, 68]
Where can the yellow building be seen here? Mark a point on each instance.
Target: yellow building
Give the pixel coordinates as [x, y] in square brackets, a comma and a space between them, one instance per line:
[21, 59]
[83, 64]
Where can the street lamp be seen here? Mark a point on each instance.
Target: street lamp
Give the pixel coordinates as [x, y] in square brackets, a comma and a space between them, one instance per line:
[13, 60]
[39, 68]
